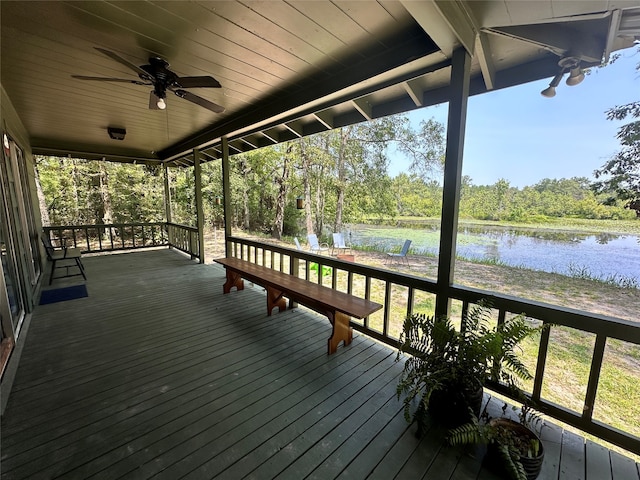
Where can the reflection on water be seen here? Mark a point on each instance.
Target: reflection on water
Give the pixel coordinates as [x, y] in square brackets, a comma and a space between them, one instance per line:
[603, 255]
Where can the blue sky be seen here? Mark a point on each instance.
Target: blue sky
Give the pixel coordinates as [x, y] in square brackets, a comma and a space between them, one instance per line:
[519, 135]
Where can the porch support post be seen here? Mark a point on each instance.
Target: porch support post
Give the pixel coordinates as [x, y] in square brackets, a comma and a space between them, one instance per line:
[459, 94]
[197, 170]
[167, 194]
[226, 196]
[167, 204]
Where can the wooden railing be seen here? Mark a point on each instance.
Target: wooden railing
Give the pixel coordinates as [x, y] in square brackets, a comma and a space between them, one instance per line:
[125, 236]
[402, 294]
[109, 237]
[184, 238]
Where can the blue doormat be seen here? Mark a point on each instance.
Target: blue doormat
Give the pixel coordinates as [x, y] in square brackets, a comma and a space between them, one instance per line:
[63, 294]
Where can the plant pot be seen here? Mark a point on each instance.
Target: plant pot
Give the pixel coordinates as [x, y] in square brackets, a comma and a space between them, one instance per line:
[531, 464]
[450, 407]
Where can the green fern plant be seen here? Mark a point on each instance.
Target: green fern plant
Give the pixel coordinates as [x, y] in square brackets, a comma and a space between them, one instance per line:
[441, 359]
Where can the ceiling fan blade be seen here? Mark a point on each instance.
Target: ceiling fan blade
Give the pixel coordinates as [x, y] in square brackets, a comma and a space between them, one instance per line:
[124, 62]
[104, 79]
[214, 107]
[195, 82]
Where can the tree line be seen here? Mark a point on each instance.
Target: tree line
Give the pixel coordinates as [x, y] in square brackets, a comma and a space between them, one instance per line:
[338, 177]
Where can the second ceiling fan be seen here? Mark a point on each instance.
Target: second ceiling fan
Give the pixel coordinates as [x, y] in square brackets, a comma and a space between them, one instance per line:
[158, 75]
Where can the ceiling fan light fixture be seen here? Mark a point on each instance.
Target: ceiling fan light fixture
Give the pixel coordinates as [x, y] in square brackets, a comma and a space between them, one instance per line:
[157, 74]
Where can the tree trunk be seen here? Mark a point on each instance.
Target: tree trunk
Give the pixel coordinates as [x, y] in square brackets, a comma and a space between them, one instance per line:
[340, 167]
[42, 202]
[283, 183]
[246, 214]
[76, 198]
[319, 210]
[306, 185]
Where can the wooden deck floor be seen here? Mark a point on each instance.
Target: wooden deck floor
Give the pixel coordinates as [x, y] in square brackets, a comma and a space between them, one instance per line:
[156, 374]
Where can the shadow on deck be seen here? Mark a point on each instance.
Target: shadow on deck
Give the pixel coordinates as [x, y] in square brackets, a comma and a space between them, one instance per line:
[157, 374]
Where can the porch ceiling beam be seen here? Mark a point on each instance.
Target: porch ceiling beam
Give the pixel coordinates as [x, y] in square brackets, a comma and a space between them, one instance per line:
[270, 137]
[409, 47]
[325, 118]
[463, 29]
[363, 107]
[111, 157]
[415, 93]
[563, 38]
[208, 156]
[483, 53]
[448, 23]
[253, 146]
[239, 150]
[293, 129]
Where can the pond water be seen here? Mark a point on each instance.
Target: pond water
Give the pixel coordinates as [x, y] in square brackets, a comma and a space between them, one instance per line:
[605, 256]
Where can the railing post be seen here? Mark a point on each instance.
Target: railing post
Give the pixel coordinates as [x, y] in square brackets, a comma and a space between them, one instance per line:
[594, 376]
[294, 268]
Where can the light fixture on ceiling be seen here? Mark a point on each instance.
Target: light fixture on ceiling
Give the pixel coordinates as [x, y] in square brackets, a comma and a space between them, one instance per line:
[116, 133]
[550, 91]
[161, 103]
[576, 75]
[6, 144]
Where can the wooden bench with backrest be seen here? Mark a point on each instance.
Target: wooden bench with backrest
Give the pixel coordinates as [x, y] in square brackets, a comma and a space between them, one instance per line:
[337, 306]
[59, 254]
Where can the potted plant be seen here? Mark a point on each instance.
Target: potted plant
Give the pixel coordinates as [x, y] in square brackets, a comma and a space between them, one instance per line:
[446, 368]
[513, 448]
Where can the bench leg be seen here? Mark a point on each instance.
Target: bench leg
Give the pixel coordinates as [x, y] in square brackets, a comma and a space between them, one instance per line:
[275, 299]
[341, 331]
[233, 280]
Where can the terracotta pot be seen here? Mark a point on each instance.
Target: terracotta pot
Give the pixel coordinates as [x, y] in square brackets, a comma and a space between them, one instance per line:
[532, 465]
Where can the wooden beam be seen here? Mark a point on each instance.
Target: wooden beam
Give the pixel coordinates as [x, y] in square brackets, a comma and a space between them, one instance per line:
[363, 107]
[197, 170]
[414, 93]
[167, 194]
[483, 53]
[270, 137]
[226, 196]
[293, 128]
[460, 21]
[448, 23]
[460, 79]
[249, 143]
[325, 118]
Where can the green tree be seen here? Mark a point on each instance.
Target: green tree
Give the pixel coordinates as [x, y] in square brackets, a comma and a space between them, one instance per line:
[622, 171]
[425, 147]
[620, 175]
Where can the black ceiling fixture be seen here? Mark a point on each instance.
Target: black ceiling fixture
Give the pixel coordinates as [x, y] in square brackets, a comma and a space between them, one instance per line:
[116, 133]
[158, 75]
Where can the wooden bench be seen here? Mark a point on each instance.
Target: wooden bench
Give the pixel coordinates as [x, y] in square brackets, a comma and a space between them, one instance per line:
[336, 306]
